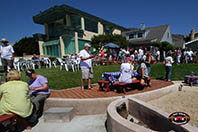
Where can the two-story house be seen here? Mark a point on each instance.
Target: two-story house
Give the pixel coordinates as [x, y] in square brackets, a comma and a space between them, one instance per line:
[67, 30]
[144, 36]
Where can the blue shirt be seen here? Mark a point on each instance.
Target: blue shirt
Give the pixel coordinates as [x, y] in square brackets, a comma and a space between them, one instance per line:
[38, 83]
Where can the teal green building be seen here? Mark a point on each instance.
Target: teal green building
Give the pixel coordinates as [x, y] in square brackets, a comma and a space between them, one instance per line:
[67, 30]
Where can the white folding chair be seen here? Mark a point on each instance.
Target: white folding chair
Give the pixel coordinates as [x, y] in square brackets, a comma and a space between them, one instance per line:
[62, 64]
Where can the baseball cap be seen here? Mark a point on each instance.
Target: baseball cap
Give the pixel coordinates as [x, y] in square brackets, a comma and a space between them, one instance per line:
[87, 45]
[29, 72]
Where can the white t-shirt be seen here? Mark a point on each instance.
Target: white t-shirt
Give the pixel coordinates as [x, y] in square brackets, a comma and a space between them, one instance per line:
[169, 61]
[85, 63]
[6, 51]
[124, 52]
[141, 52]
[144, 57]
[190, 53]
[132, 57]
[126, 70]
[158, 53]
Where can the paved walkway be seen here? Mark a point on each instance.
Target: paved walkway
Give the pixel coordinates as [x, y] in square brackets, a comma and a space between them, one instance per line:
[90, 123]
[78, 94]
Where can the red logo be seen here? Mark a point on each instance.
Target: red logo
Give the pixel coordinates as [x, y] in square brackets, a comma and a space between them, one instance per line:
[179, 118]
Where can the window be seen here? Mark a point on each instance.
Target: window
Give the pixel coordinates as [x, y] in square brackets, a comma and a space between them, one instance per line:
[75, 22]
[56, 28]
[91, 25]
[131, 36]
[140, 35]
[108, 29]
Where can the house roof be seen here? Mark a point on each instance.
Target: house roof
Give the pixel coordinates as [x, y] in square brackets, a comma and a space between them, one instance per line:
[154, 33]
[192, 41]
[140, 42]
[178, 40]
[58, 12]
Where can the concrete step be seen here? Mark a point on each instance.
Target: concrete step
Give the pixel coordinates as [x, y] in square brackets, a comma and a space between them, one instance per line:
[59, 114]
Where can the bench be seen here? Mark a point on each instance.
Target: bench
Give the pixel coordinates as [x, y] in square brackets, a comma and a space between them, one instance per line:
[103, 84]
[13, 118]
[191, 79]
[123, 86]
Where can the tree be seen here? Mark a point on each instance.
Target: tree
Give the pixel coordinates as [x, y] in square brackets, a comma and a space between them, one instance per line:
[100, 40]
[27, 45]
[120, 40]
[164, 46]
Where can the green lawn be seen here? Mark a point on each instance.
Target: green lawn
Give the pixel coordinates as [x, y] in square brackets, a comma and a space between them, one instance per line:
[63, 80]
[178, 71]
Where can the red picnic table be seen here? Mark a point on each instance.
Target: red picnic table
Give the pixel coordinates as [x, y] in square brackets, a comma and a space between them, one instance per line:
[190, 79]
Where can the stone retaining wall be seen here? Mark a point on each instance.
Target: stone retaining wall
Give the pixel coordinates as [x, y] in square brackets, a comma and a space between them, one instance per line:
[153, 117]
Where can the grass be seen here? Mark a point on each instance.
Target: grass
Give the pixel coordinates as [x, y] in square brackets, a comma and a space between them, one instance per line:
[63, 80]
[178, 71]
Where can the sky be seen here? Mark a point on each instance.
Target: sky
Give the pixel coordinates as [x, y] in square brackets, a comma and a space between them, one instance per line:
[16, 15]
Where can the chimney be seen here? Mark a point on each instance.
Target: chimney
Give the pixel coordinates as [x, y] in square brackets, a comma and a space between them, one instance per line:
[142, 26]
[192, 34]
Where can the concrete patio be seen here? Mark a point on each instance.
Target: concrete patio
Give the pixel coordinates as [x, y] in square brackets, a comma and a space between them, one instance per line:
[90, 123]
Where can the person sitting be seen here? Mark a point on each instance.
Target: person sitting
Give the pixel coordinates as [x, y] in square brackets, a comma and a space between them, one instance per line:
[148, 61]
[126, 71]
[35, 57]
[142, 73]
[14, 98]
[39, 90]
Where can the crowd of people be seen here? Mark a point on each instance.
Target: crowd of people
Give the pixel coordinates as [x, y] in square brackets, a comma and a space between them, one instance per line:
[29, 98]
[179, 55]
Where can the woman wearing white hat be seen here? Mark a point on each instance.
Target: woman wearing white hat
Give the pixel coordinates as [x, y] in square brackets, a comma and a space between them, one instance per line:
[7, 54]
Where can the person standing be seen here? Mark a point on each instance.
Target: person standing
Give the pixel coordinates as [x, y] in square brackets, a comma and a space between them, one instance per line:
[179, 54]
[123, 55]
[168, 65]
[7, 55]
[158, 55]
[190, 53]
[140, 53]
[102, 55]
[86, 66]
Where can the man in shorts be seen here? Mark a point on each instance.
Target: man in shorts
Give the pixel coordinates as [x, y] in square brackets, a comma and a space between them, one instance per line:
[7, 55]
[86, 66]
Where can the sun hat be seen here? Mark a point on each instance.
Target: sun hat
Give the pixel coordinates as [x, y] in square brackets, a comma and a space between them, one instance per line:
[87, 45]
[3, 40]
